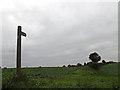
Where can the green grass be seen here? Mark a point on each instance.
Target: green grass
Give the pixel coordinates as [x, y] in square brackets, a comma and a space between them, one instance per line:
[48, 72]
[110, 68]
[0, 78]
[64, 77]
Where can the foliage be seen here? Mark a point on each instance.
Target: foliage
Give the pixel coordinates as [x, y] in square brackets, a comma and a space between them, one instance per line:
[78, 64]
[85, 64]
[110, 62]
[103, 61]
[64, 66]
[94, 57]
[89, 63]
[72, 65]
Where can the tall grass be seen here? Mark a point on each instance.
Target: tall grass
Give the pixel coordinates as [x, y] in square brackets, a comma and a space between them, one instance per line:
[64, 77]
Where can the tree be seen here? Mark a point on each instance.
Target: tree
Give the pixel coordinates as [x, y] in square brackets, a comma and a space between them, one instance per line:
[85, 64]
[5, 67]
[94, 57]
[69, 65]
[89, 63]
[103, 61]
[64, 66]
[40, 66]
[78, 64]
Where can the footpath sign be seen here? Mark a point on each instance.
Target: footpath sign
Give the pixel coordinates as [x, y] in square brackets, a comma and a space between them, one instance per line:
[19, 33]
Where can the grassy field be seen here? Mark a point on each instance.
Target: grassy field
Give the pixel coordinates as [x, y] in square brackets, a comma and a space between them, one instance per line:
[63, 77]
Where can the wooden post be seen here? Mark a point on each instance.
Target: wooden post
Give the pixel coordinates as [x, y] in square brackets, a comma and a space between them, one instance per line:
[18, 50]
[19, 33]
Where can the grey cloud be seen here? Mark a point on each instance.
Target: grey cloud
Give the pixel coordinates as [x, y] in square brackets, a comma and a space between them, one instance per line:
[62, 33]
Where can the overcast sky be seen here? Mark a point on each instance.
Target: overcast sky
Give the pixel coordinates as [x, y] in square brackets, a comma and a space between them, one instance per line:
[59, 33]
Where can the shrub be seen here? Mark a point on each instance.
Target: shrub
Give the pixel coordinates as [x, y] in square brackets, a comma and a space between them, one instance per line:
[40, 66]
[72, 66]
[85, 64]
[5, 67]
[109, 62]
[69, 65]
[89, 63]
[64, 66]
[78, 64]
[103, 61]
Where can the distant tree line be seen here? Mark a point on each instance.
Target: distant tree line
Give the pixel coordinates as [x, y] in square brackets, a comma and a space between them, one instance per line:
[95, 58]
[77, 65]
[88, 63]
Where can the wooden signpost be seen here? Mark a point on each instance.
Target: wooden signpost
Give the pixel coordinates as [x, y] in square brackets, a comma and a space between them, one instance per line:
[19, 33]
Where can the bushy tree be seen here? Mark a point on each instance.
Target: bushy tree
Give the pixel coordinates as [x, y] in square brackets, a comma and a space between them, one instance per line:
[69, 65]
[94, 57]
[89, 63]
[40, 66]
[85, 64]
[5, 67]
[109, 62]
[78, 64]
[64, 66]
[72, 65]
[103, 61]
